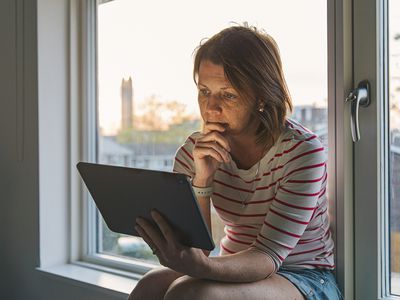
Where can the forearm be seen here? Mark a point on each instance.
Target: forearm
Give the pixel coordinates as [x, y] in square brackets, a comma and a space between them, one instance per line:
[204, 204]
[246, 266]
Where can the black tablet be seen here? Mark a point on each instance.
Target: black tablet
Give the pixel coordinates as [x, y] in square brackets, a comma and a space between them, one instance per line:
[122, 194]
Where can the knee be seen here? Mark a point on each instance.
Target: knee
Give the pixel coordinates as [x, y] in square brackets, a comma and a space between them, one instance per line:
[142, 288]
[153, 284]
[191, 288]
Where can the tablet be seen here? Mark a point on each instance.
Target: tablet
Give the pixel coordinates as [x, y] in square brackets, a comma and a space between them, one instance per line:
[122, 194]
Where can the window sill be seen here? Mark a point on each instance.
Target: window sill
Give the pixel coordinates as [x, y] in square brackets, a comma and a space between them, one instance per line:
[114, 283]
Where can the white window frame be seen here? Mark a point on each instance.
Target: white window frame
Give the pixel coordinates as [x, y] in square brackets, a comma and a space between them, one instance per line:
[340, 172]
[84, 217]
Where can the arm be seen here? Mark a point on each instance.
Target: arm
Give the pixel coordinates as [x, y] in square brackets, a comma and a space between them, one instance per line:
[246, 266]
[294, 204]
[199, 158]
[204, 203]
[298, 193]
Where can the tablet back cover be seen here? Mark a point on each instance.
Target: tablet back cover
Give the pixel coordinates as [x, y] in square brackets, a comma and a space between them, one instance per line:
[122, 194]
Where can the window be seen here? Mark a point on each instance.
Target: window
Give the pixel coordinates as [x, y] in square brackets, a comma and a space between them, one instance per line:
[147, 103]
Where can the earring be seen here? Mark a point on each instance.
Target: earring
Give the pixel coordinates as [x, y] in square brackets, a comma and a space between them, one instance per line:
[261, 109]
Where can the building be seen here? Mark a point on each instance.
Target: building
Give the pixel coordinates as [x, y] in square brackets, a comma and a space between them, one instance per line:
[146, 156]
[126, 104]
[313, 117]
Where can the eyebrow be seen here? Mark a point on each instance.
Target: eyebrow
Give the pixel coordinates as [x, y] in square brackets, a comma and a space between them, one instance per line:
[223, 88]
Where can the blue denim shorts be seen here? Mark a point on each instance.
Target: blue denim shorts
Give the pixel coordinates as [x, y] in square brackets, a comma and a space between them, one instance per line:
[315, 284]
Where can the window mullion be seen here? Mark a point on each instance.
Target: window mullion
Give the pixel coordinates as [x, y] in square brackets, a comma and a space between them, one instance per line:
[89, 124]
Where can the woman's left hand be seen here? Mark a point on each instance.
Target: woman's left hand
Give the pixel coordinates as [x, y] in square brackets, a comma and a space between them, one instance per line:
[170, 252]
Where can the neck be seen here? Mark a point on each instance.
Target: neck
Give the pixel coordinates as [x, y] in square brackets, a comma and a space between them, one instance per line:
[247, 153]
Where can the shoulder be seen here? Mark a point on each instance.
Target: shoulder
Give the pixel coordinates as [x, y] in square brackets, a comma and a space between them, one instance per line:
[297, 134]
[191, 139]
[183, 162]
[188, 145]
[301, 144]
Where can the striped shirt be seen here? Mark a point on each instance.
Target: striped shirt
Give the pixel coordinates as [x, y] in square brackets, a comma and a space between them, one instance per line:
[283, 212]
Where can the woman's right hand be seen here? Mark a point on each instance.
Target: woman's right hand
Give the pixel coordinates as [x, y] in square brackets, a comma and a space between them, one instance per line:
[210, 150]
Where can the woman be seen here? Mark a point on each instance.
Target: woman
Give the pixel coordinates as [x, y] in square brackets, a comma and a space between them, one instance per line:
[266, 177]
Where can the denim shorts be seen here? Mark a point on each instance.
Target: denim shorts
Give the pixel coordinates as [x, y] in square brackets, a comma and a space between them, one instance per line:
[315, 284]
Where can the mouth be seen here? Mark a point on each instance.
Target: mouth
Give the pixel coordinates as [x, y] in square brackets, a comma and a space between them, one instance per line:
[225, 125]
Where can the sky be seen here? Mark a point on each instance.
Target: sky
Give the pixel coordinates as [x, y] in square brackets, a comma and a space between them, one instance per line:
[153, 43]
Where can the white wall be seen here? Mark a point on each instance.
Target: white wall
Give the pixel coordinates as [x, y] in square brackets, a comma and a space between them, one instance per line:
[33, 108]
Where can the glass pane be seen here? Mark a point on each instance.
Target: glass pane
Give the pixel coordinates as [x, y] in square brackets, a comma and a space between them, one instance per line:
[147, 102]
[394, 162]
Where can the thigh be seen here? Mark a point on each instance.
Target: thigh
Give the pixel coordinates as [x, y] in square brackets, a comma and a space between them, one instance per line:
[154, 284]
[276, 287]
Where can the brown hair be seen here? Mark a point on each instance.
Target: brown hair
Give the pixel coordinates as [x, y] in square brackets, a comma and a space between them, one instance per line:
[253, 66]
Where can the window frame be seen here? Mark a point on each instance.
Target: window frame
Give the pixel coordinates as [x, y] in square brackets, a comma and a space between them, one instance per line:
[371, 192]
[84, 249]
[340, 166]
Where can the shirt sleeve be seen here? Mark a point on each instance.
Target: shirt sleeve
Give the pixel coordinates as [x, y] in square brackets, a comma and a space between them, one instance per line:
[294, 203]
[183, 162]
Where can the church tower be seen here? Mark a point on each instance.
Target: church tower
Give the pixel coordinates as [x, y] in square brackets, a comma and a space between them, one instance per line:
[127, 104]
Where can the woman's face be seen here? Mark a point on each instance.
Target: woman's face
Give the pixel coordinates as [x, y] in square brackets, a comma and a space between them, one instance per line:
[220, 103]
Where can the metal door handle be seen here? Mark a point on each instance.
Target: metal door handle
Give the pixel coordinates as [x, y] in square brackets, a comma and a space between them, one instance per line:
[358, 97]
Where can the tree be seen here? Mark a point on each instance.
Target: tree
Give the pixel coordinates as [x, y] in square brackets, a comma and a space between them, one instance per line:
[160, 122]
[160, 115]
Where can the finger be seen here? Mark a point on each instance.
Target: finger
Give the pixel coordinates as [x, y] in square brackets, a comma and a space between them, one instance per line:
[165, 228]
[202, 152]
[146, 238]
[215, 136]
[214, 126]
[152, 232]
[216, 147]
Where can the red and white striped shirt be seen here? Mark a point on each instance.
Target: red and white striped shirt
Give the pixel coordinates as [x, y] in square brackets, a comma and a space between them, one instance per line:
[285, 213]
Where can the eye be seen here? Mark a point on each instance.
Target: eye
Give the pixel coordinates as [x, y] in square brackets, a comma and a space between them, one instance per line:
[204, 92]
[229, 96]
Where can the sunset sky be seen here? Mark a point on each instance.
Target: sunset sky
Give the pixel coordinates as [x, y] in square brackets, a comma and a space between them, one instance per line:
[153, 43]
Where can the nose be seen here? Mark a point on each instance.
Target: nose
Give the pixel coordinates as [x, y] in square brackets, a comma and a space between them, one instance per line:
[213, 105]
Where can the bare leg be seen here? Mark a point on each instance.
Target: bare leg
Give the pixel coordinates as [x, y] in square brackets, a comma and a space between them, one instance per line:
[276, 287]
[154, 284]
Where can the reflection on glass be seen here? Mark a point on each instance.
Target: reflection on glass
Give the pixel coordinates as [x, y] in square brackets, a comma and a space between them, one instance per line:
[147, 102]
[394, 162]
